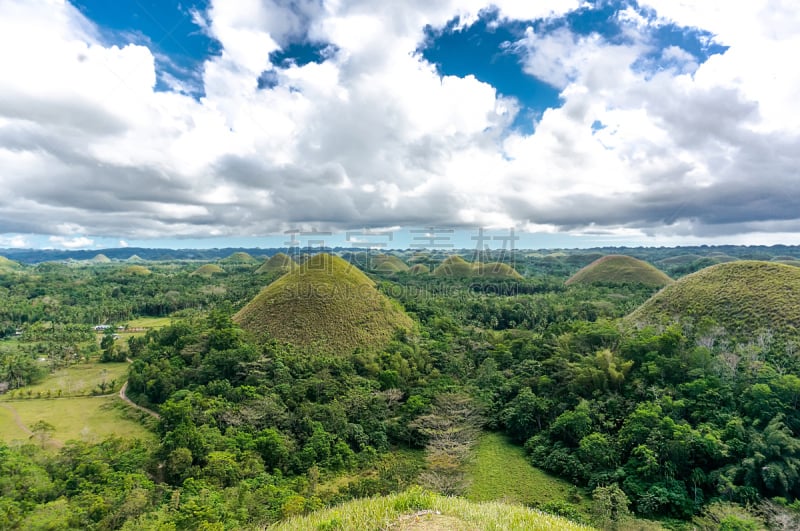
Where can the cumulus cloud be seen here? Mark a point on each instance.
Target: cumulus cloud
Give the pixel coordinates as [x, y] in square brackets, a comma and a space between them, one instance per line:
[373, 136]
[81, 242]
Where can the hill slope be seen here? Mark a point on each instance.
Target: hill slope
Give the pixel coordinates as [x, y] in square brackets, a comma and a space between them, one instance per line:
[239, 258]
[280, 262]
[207, 270]
[418, 509]
[620, 269]
[325, 301]
[742, 296]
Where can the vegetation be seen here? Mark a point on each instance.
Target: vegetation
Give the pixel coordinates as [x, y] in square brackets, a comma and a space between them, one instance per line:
[327, 302]
[136, 270]
[620, 269]
[503, 389]
[419, 509]
[500, 471]
[744, 298]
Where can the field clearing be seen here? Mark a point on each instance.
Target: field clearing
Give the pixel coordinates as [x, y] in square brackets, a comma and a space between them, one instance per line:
[9, 431]
[78, 379]
[149, 322]
[88, 419]
[500, 471]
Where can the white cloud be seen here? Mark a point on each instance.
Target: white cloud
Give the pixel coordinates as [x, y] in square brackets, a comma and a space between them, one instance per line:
[79, 242]
[372, 136]
[15, 242]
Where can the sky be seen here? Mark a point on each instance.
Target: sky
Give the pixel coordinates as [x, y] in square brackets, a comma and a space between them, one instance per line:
[572, 123]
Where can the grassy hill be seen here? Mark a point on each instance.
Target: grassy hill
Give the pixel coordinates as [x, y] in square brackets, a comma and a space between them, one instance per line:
[418, 509]
[495, 270]
[239, 258]
[207, 270]
[620, 269]
[419, 269]
[136, 270]
[743, 297]
[453, 266]
[387, 263]
[101, 259]
[326, 301]
[280, 262]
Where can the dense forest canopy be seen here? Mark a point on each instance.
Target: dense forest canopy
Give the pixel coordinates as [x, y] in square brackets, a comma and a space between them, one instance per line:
[684, 421]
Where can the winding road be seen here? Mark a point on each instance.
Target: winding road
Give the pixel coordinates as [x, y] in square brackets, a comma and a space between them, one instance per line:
[130, 402]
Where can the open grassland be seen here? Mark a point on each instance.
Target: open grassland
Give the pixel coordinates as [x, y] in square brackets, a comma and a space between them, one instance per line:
[500, 471]
[73, 418]
[418, 509]
[620, 269]
[149, 322]
[743, 297]
[76, 380]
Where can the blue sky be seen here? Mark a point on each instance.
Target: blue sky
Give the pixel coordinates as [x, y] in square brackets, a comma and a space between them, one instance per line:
[207, 124]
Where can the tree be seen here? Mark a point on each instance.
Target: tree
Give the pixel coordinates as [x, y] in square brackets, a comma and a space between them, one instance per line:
[42, 431]
[610, 506]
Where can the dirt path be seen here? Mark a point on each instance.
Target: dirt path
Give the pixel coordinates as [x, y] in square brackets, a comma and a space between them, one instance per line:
[17, 420]
[130, 402]
[21, 425]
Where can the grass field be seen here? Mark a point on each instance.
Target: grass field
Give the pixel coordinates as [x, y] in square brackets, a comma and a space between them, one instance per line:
[500, 471]
[421, 510]
[78, 380]
[149, 322]
[73, 418]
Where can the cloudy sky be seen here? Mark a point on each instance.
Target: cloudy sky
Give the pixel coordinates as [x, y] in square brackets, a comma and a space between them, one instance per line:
[214, 123]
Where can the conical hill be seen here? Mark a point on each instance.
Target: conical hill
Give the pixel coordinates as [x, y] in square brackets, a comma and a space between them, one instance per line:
[743, 297]
[280, 262]
[620, 269]
[328, 302]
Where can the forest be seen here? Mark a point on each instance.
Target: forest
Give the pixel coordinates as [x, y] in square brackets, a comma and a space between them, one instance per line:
[647, 420]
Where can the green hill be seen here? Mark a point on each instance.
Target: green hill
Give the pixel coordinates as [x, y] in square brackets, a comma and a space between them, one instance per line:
[454, 266]
[239, 258]
[6, 264]
[136, 270]
[743, 297]
[495, 270]
[207, 270]
[416, 509]
[387, 263]
[101, 259]
[326, 301]
[681, 259]
[419, 269]
[620, 269]
[280, 262]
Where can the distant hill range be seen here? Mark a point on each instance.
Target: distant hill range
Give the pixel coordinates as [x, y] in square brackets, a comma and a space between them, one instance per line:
[573, 256]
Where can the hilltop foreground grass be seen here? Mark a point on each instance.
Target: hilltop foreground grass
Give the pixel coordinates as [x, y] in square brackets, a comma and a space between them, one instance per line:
[743, 297]
[328, 302]
[419, 509]
[620, 269]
